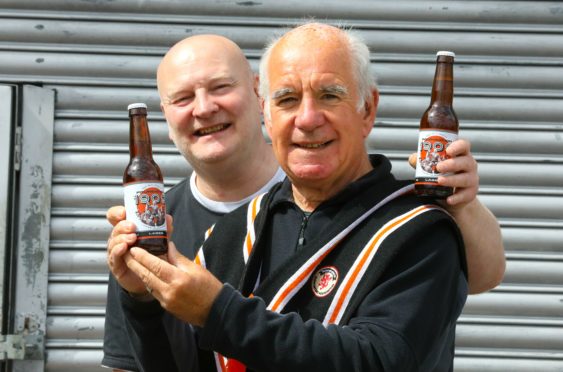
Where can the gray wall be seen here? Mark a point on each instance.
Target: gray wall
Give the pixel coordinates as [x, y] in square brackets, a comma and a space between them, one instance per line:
[99, 56]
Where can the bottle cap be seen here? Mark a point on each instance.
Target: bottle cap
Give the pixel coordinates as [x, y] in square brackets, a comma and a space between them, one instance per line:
[445, 53]
[136, 105]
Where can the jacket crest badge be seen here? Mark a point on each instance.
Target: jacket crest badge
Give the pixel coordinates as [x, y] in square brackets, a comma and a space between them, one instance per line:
[324, 281]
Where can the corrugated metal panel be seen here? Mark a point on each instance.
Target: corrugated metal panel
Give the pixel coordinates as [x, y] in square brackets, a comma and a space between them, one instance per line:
[99, 56]
[30, 266]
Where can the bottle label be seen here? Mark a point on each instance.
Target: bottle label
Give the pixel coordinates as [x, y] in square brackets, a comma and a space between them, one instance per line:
[146, 208]
[432, 145]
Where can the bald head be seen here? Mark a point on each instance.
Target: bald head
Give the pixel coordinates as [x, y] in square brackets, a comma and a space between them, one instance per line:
[195, 50]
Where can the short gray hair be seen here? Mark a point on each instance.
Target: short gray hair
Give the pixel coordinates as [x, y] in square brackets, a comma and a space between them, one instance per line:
[359, 53]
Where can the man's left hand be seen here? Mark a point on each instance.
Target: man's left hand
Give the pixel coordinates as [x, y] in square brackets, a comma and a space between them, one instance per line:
[463, 173]
[182, 287]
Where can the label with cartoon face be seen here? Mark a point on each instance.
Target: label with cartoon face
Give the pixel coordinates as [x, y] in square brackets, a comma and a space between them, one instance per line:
[146, 208]
[432, 145]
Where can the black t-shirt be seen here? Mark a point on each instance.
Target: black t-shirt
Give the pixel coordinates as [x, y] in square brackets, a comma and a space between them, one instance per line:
[190, 220]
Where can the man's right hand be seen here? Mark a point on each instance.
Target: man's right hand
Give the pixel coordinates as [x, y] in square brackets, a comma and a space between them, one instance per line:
[121, 238]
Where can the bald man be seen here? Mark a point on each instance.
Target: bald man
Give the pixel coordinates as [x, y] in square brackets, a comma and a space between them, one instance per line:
[209, 97]
[210, 101]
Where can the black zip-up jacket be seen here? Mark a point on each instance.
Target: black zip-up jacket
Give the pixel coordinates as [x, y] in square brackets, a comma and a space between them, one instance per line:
[399, 314]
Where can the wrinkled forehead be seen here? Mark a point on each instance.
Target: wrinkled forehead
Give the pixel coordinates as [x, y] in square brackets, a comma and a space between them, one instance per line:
[310, 51]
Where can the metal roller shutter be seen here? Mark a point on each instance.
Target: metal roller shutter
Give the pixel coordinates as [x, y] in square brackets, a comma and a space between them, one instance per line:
[100, 56]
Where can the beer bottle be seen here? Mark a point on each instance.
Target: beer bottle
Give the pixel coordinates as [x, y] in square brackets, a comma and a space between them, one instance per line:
[143, 186]
[438, 128]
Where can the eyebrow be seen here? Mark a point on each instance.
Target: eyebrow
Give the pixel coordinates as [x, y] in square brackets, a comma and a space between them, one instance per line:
[168, 100]
[335, 89]
[172, 97]
[282, 92]
[331, 89]
[213, 80]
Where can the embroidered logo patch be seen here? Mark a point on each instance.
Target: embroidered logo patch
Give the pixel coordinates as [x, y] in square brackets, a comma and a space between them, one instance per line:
[324, 281]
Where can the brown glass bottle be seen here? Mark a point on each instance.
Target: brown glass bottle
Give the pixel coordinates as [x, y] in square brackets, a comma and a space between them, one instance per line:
[438, 128]
[143, 186]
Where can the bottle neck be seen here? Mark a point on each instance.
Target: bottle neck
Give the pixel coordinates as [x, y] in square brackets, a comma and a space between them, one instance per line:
[139, 137]
[443, 86]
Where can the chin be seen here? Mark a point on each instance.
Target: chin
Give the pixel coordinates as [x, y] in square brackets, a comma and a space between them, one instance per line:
[212, 152]
[205, 158]
[215, 157]
[310, 172]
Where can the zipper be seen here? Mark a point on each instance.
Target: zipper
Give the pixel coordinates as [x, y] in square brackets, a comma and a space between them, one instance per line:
[301, 240]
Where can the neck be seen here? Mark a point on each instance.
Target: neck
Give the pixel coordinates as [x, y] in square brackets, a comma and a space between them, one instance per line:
[308, 196]
[235, 180]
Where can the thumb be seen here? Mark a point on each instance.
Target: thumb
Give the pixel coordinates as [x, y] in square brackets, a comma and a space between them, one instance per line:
[412, 160]
[115, 214]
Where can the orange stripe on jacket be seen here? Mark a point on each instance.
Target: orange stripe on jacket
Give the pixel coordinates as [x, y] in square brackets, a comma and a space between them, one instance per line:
[379, 236]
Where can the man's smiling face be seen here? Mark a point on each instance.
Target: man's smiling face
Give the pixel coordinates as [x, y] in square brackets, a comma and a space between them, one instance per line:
[209, 100]
[316, 128]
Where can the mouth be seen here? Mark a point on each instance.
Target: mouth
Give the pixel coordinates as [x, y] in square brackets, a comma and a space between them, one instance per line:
[313, 146]
[211, 130]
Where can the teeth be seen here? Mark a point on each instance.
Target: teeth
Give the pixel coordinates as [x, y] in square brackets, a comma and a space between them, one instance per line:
[212, 129]
[313, 145]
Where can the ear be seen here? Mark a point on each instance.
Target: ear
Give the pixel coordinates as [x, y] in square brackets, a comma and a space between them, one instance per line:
[257, 85]
[370, 108]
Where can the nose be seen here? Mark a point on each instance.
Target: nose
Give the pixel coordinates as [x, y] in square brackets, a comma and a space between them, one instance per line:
[204, 106]
[309, 116]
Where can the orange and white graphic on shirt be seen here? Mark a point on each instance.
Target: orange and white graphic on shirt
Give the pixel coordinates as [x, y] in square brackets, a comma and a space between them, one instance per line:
[251, 213]
[355, 274]
[302, 275]
[200, 257]
[223, 364]
[324, 281]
